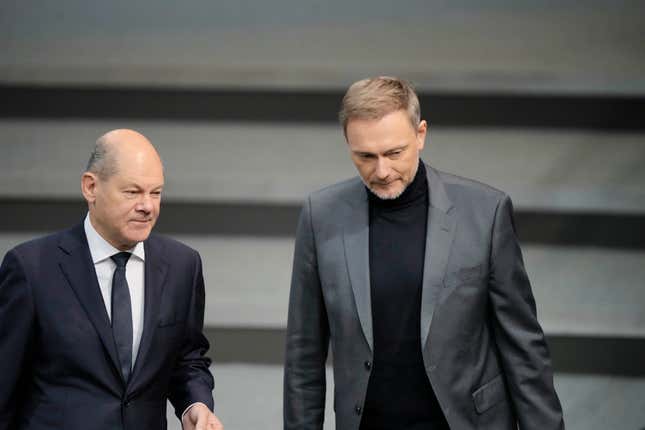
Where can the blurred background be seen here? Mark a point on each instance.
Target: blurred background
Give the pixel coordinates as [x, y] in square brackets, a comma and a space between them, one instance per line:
[543, 99]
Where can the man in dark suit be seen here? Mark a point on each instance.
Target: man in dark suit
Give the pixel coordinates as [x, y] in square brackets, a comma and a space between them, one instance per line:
[102, 323]
[416, 278]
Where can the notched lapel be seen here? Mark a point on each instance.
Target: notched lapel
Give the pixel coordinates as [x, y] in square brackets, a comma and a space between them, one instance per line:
[77, 267]
[356, 241]
[156, 269]
[439, 238]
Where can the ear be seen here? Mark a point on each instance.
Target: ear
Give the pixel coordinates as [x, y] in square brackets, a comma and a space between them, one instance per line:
[422, 131]
[89, 183]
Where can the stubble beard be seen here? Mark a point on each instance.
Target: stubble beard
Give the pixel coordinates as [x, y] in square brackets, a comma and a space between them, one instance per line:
[382, 196]
[392, 196]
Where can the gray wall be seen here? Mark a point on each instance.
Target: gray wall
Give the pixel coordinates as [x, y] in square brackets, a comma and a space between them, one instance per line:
[545, 46]
[544, 100]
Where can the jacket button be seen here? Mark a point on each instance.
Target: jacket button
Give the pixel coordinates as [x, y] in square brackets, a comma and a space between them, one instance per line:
[368, 365]
[358, 410]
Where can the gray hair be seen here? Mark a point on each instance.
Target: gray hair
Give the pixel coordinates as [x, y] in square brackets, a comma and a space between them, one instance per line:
[102, 160]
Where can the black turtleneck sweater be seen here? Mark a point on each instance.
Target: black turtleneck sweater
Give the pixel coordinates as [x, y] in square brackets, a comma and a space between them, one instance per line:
[399, 395]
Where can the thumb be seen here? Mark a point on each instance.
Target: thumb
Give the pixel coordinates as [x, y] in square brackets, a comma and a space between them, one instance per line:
[201, 421]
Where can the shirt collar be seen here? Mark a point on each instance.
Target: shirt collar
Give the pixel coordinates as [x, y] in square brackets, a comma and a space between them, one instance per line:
[101, 249]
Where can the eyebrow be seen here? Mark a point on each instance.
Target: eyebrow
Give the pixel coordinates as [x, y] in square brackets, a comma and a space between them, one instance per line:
[362, 152]
[398, 148]
[138, 187]
[389, 151]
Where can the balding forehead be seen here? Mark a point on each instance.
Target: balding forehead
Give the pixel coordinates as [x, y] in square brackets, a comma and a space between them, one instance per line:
[123, 135]
[126, 142]
[121, 146]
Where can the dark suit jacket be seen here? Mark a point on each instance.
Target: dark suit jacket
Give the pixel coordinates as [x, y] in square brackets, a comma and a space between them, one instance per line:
[60, 369]
[483, 349]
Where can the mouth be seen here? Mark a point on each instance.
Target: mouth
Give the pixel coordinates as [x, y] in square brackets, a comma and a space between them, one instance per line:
[384, 184]
[141, 221]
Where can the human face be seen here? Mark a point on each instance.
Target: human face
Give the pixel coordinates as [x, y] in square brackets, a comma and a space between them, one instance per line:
[385, 151]
[124, 207]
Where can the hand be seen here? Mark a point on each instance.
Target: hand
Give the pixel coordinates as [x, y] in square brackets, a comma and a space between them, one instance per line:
[199, 417]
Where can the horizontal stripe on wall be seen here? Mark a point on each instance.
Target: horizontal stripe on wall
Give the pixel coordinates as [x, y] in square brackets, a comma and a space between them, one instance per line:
[570, 354]
[279, 220]
[445, 108]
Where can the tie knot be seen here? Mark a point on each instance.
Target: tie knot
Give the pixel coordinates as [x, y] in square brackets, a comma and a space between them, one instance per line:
[121, 258]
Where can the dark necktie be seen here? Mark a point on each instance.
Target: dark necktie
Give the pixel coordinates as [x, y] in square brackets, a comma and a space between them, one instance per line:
[122, 314]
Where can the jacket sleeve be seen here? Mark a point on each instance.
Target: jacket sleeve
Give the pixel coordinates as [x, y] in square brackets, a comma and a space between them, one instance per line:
[519, 337]
[16, 335]
[307, 337]
[192, 381]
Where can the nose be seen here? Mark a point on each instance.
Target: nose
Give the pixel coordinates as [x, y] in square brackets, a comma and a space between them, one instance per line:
[145, 204]
[382, 168]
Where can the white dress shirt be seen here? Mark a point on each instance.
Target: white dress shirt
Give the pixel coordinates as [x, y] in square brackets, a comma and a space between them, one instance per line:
[101, 251]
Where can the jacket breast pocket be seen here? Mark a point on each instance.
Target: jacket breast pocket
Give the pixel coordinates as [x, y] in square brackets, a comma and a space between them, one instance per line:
[169, 321]
[489, 394]
[170, 333]
[170, 313]
[469, 275]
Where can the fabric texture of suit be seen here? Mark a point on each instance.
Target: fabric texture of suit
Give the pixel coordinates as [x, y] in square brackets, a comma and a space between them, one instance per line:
[61, 369]
[483, 349]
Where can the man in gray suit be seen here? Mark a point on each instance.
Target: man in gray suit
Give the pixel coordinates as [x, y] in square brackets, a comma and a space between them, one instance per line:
[416, 278]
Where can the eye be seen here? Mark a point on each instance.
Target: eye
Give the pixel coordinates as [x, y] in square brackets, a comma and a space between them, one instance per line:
[395, 154]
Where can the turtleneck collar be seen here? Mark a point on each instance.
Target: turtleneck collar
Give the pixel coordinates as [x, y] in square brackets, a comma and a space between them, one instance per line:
[415, 192]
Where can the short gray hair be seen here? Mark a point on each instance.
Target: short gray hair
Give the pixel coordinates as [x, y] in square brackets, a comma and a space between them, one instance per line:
[102, 161]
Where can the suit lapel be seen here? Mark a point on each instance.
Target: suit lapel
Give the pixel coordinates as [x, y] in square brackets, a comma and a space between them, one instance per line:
[356, 241]
[155, 274]
[439, 237]
[77, 266]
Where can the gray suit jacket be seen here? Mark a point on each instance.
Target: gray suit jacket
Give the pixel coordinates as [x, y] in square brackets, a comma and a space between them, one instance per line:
[483, 349]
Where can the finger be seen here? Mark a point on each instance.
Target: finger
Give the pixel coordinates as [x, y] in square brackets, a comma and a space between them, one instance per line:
[214, 423]
[187, 423]
[202, 421]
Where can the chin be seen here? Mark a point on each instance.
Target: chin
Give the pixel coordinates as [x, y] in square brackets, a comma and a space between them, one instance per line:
[137, 236]
[386, 195]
